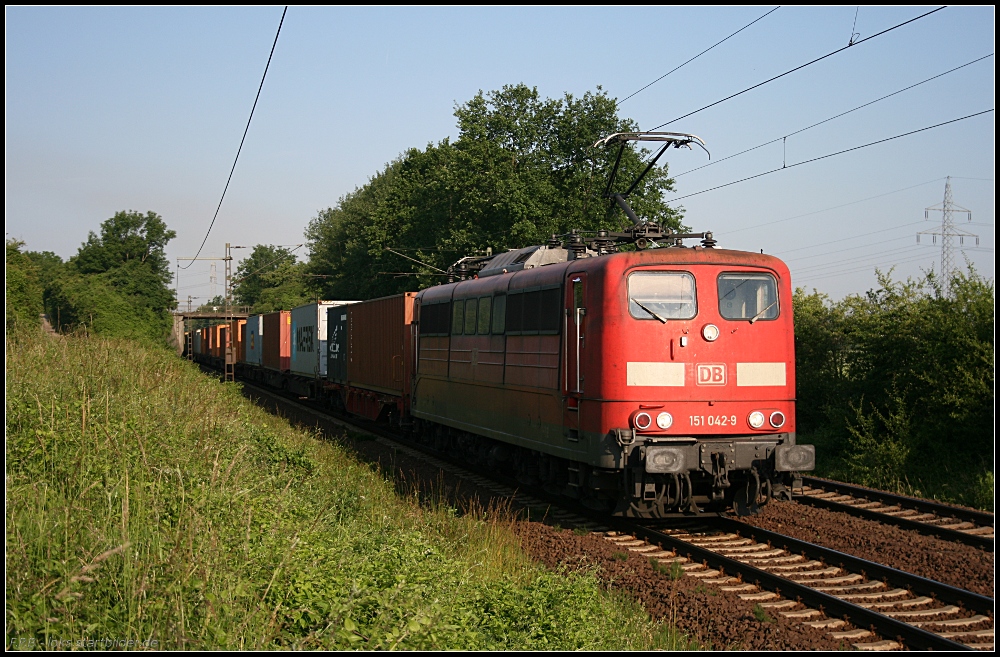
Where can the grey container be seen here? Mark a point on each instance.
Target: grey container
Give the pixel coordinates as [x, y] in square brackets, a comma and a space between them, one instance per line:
[309, 351]
[336, 344]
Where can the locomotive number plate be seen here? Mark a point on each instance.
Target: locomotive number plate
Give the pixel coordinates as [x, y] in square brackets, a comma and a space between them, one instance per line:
[713, 420]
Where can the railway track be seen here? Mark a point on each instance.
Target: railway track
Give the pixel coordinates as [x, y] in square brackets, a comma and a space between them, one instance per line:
[822, 588]
[947, 522]
[782, 575]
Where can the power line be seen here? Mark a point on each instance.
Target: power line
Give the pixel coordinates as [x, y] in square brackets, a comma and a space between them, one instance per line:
[767, 143]
[876, 260]
[853, 237]
[911, 248]
[818, 275]
[698, 55]
[835, 207]
[850, 248]
[802, 66]
[245, 130]
[823, 157]
[862, 268]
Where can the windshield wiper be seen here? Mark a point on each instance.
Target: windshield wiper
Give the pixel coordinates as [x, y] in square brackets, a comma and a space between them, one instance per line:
[757, 316]
[662, 321]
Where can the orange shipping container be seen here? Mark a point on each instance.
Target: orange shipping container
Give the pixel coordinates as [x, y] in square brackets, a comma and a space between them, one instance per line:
[277, 343]
[218, 340]
[380, 343]
[241, 345]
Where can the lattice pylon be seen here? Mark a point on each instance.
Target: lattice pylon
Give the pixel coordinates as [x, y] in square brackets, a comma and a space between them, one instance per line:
[947, 232]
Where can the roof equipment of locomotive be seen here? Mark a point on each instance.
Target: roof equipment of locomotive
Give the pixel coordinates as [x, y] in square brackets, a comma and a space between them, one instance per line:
[643, 234]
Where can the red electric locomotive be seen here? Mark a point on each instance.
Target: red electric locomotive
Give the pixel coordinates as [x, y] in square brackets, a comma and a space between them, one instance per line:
[654, 381]
[660, 380]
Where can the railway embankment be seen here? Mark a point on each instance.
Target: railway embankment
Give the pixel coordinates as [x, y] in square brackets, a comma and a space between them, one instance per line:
[148, 503]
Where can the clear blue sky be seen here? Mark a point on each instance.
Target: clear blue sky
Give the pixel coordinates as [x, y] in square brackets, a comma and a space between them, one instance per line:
[143, 108]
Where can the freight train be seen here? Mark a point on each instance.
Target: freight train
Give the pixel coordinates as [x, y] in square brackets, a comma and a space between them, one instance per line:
[647, 382]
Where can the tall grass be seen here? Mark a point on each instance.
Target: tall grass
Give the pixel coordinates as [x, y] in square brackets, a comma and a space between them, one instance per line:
[147, 502]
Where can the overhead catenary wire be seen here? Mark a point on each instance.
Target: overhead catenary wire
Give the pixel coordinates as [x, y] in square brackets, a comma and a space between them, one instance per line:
[801, 66]
[828, 155]
[634, 93]
[245, 130]
[837, 116]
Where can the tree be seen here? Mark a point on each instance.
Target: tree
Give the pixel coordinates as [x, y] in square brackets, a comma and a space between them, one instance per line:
[126, 236]
[130, 252]
[22, 287]
[49, 266]
[117, 283]
[521, 169]
[270, 279]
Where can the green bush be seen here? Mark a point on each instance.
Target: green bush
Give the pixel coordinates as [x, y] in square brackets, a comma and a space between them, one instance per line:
[117, 283]
[896, 387]
[23, 291]
[92, 303]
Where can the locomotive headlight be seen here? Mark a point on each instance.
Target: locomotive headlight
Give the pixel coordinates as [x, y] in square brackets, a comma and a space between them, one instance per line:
[777, 419]
[710, 332]
[642, 421]
[664, 420]
[756, 420]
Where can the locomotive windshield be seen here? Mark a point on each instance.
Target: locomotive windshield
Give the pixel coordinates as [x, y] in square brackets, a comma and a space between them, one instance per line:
[748, 296]
[662, 295]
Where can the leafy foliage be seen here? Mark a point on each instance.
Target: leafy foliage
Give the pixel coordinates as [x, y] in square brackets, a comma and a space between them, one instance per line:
[22, 286]
[117, 284]
[897, 385]
[270, 279]
[521, 169]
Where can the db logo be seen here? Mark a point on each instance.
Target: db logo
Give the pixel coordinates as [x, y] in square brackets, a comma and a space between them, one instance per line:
[712, 374]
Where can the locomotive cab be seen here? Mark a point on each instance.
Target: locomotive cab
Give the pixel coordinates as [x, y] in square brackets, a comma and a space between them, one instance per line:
[686, 370]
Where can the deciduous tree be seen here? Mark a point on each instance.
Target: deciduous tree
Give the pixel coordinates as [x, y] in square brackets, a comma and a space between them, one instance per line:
[522, 168]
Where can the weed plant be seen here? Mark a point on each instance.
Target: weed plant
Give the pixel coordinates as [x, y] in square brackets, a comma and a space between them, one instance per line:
[147, 502]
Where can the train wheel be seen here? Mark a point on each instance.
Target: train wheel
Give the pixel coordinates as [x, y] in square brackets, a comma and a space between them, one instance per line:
[745, 499]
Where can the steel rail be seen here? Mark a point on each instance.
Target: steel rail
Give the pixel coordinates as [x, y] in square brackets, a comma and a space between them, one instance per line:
[980, 518]
[913, 637]
[873, 570]
[926, 506]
